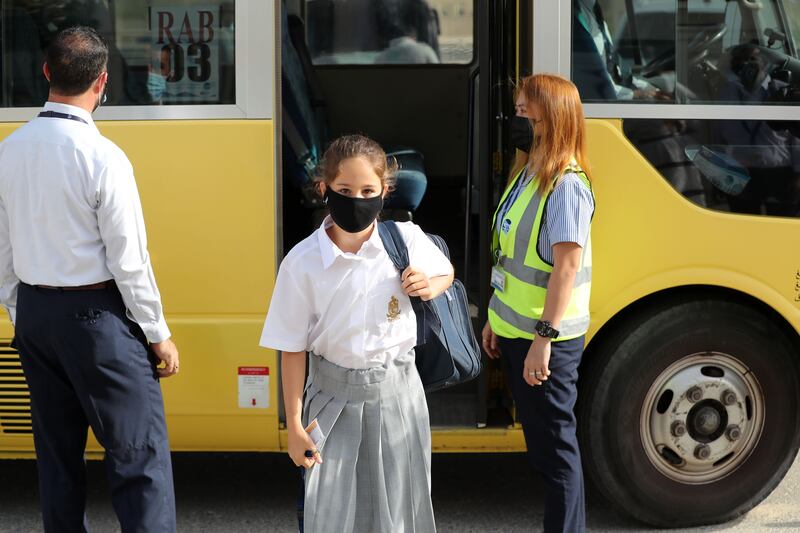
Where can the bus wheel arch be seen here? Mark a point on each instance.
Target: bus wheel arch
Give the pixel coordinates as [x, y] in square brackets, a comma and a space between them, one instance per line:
[652, 465]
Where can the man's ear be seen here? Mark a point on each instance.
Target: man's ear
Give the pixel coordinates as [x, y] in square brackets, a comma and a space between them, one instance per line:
[46, 70]
[100, 83]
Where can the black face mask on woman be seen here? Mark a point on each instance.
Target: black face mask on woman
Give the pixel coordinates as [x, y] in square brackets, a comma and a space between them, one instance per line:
[521, 133]
[353, 214]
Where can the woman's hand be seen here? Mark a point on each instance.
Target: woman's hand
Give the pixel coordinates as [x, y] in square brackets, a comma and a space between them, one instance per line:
[299, 444]
[416, 283]
[537, 362]
[489, 341]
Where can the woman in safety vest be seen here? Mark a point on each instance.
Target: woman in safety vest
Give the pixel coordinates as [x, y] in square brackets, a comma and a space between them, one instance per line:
[539, 312]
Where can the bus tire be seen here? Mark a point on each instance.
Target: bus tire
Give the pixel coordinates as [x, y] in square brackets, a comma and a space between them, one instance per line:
[638, 387]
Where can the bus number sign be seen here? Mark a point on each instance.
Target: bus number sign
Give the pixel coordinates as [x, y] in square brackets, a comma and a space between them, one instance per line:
[186, 52]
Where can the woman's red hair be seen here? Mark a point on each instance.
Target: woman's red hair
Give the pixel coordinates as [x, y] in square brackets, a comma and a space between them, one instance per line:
[560, 135]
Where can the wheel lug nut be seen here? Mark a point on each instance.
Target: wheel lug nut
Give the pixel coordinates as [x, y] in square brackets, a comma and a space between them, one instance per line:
[695, 394]
[733, 433]
[728, 397]
[702, 452]
[678, 429]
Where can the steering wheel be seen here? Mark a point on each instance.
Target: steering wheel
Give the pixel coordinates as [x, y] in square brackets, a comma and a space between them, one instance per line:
[696, 50]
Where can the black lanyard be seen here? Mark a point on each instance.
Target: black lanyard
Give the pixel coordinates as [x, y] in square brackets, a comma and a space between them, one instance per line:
[56, 114]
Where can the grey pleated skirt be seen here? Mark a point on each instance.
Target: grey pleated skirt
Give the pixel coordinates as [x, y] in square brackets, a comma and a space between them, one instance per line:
[376, 470]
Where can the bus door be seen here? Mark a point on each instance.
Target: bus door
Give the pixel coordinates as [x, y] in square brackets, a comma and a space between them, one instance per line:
[405, 73]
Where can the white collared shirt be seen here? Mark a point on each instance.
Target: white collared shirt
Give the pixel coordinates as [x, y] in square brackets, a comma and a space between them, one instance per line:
[70, 215]
[348, 308]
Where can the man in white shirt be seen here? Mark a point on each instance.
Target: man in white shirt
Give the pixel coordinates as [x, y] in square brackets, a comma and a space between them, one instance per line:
[76, 279]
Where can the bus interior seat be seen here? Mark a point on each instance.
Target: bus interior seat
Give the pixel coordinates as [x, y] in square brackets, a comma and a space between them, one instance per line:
[305, 127]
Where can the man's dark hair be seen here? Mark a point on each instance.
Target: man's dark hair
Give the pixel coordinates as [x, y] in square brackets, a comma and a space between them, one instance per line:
[400, 18]
[76, 57]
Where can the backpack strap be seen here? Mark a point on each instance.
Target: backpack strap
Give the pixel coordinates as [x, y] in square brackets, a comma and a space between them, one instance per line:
[395, 244]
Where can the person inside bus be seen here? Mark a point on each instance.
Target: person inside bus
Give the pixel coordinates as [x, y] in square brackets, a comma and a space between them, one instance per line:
[339, 297]
[539, 312]
[598, 69]
[399, 22]
[157, 75]
[769, 151]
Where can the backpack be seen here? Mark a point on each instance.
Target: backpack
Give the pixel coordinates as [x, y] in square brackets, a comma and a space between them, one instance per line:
[447, 351]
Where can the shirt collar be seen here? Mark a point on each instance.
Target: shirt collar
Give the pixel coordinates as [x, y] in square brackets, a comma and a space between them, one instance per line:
[70, 110]
[371, 247]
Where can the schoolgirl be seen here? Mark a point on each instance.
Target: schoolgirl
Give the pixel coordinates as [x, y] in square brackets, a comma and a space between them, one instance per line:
[339, 297]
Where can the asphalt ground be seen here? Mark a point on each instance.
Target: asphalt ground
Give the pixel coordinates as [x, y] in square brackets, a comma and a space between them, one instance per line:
[234, 493]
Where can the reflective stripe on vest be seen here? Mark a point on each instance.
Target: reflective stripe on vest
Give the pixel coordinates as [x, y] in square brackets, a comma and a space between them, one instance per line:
[567, 328]
[537, 277]
[515, 312]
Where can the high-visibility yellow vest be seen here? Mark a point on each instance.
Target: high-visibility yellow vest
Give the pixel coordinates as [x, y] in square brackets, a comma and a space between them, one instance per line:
[513, 312]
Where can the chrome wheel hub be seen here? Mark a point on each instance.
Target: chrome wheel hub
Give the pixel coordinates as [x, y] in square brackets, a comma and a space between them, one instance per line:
[702, 417]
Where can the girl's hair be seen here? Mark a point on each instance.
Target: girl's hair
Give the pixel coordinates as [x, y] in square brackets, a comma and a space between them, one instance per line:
[349, 146]
[560, 135]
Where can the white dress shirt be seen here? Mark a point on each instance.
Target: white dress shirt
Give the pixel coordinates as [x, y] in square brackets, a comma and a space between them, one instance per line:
[70, 215]
[348, 308]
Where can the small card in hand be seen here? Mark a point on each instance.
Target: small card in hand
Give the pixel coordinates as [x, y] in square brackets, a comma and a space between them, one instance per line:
[315, 432]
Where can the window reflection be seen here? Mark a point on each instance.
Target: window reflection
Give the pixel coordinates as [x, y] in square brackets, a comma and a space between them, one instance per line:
[160, 52]
[740, 166]
[684, 52]
[389, 31]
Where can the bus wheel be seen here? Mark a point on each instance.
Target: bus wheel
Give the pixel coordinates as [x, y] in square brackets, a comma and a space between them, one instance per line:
[690, 414]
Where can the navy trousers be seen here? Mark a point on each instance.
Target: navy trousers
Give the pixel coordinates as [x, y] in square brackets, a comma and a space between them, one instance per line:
[87, 364]
[548, 422]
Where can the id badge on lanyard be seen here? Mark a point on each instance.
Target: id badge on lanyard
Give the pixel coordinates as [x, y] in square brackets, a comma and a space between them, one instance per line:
[498, 278]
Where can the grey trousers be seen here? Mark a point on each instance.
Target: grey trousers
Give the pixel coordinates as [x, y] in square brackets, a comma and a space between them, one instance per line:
[376, 470]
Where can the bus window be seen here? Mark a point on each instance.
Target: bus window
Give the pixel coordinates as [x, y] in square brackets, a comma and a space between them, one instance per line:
[792, 10]
[164, 53]
[739, 166]
[389, 31]
[694, 52]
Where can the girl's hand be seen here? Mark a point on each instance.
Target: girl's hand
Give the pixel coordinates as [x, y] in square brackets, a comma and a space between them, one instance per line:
[299, 443]
[489, 341]
[538, 360]
[416, 283]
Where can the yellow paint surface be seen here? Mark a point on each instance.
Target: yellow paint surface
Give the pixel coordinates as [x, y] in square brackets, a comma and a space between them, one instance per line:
[208, 191]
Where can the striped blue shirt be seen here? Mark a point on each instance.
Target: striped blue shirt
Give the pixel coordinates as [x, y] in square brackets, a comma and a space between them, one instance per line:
[567, 217]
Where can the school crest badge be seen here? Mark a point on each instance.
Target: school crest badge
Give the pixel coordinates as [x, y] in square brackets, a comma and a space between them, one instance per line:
[394, 310]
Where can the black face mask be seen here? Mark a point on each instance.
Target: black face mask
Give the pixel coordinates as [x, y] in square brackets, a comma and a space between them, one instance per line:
[521, 133]
[353, 214]
[752, 75]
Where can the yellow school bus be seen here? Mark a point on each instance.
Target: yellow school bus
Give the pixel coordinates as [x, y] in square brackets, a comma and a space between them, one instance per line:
[689, 409]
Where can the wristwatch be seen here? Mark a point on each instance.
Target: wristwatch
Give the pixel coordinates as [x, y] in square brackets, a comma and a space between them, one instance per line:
[545, 329]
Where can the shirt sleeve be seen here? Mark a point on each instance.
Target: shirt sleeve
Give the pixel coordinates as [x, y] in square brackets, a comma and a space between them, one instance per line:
[289, 316]
[9, 283]
[423, 253]
[121, 224]
[569, 212]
